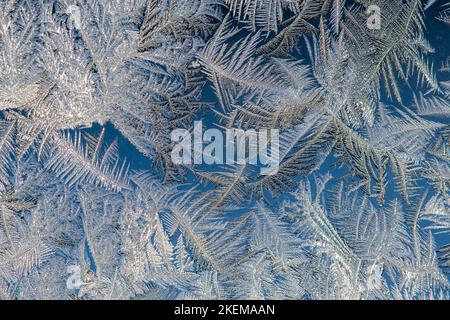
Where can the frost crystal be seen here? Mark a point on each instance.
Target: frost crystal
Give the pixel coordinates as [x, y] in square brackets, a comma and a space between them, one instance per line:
[92, 205]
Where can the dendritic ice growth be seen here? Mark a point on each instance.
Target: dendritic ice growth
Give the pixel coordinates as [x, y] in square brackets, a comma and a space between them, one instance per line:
[92, 205]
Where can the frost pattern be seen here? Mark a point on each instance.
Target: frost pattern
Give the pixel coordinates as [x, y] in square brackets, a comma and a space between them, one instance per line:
[360, 205]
